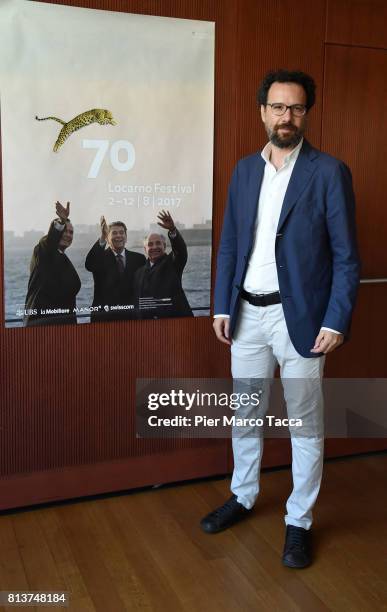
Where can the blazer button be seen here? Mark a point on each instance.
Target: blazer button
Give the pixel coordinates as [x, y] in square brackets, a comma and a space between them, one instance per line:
[278, 235]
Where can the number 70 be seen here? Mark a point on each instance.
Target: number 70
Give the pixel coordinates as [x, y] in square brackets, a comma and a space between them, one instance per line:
[102, 147]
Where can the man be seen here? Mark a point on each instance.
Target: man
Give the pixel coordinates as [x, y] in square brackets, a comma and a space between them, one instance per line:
[287, 278]
[113, 268]
[159, 282]
[54, 282]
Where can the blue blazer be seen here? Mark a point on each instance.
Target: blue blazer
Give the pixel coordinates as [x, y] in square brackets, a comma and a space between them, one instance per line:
[316, 249]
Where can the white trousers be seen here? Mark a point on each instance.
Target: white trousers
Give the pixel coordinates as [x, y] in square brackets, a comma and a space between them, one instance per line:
[261, 340]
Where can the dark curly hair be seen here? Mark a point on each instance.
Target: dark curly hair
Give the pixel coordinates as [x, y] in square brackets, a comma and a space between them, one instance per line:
[288, 76]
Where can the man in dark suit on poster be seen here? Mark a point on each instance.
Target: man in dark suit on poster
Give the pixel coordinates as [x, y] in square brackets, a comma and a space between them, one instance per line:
[54, 282]
[113, 268]
[158, 284]
[286, 284]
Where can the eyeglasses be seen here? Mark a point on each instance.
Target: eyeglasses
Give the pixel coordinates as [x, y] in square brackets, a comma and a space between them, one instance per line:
[298, 110]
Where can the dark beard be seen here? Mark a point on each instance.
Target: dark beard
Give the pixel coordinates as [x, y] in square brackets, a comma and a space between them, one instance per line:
[290, 141]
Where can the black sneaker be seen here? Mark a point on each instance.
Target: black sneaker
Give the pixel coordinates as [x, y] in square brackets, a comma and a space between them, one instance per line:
[297, 550]
[223, 517]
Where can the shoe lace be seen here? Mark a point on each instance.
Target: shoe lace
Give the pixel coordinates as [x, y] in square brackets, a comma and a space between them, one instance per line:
[227, 507]
[296, 538]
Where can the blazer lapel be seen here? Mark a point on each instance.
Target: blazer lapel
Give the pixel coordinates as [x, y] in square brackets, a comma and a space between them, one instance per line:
[301, 175]
[253, 189]
[128, 265]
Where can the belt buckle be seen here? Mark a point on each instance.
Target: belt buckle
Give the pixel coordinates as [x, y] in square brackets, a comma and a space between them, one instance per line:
[256, 299]
[258, 296]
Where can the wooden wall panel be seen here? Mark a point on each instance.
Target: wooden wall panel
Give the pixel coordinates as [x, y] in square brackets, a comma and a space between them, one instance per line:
[364, 356]
[361, 23]
[276, 34]
[354, 128]
[67, 401]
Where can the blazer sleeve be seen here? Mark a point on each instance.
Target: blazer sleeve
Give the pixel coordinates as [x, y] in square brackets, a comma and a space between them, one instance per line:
[50, 241]
[340, 219]
[227, 252]
[94, 258]
[179, 251]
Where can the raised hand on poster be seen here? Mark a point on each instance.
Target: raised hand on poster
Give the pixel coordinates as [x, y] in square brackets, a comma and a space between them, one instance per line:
[104, 229]
[62, 212]
[166, 221]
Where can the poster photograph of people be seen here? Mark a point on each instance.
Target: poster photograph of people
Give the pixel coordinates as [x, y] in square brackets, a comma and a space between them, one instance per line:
[107, 149]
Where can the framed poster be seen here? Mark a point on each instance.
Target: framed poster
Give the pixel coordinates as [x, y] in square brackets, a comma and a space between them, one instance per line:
[107, 157]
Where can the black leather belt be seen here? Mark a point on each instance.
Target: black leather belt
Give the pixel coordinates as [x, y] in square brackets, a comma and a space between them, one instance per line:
[262, 299]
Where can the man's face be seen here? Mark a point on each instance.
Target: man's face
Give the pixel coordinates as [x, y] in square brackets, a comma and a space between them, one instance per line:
[116, 238]
[154, 247]
[67, 237]
[286, 131]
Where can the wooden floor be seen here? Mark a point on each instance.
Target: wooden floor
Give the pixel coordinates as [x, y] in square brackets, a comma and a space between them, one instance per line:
[145, 552]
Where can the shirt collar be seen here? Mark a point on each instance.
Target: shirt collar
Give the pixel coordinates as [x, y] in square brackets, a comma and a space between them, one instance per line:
[292, 156]
[114, 252]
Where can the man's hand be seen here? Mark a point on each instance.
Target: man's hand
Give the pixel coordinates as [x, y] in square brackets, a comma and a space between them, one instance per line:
[327, 341]
[62, 212]
[166, 221]
[222, 329]
[104, 229]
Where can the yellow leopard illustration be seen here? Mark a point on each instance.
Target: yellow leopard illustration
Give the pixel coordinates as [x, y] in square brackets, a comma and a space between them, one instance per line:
[95, 115]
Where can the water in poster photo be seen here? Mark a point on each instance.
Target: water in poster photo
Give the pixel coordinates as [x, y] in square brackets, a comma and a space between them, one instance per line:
[107, 164]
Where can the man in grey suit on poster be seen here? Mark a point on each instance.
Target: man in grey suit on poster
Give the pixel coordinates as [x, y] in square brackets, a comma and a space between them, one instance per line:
[158, 284]
[286, 283]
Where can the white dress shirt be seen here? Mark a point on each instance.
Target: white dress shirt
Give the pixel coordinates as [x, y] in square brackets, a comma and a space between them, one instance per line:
[261, 275]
